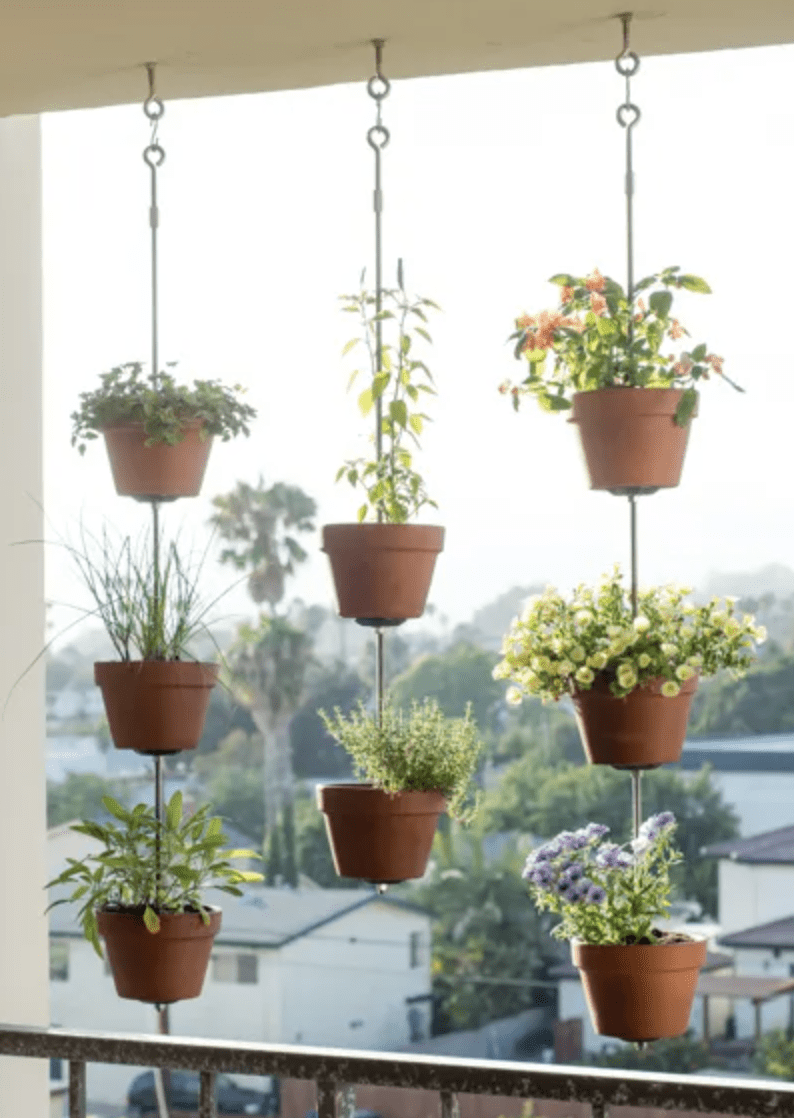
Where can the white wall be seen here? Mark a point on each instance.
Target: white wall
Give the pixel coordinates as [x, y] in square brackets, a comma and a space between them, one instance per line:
[23, 928]
[753, 894]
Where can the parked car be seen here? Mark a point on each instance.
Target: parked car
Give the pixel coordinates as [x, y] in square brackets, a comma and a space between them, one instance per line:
[182, 1095]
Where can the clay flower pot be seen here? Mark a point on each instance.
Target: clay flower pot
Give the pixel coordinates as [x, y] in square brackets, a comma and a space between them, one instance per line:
[630, 438]
[378, 837]
[159, 472]
[158, 967]
[382, 572]
[641, 731]
[641, 992]
[155, 706]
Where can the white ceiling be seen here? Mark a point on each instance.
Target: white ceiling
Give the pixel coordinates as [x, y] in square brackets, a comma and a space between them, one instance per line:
[59, 54]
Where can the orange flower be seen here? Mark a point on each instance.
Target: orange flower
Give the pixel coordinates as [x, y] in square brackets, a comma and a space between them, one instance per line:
[682, 367]
[715, 362]
[595, 282]
[529, 343]
[598, 303]
[641, 304]
[566, 294]
[525, 321]
[504, 387]
[676, 329]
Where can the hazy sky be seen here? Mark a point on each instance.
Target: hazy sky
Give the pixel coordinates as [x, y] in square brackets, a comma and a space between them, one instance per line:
[493, 182]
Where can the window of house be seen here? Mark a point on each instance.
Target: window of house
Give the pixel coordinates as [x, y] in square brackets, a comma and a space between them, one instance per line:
[415, 949]
[59, 961]
[235, 967]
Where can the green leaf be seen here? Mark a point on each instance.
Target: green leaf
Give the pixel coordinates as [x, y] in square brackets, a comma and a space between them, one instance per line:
[352, 379]
[694, 283]
[563, 279]
[362, 513]
[536, 356]
[379, 384]
[686, 407]
[660, 303]
[399, 412]
[151, 920]
[699, 352]
[416, 423]
[115, 809]
[173, 815]
[350, 345]
[365, 401]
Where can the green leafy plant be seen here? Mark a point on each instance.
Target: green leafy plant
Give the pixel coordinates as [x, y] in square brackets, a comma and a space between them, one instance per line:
[400, 380]
[605, 893]
[423, 751]
[598, 338]
[127, 395]
[559, 646]
[151, 867]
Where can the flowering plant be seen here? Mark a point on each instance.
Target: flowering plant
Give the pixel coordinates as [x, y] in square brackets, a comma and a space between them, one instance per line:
[605, 893]
[557, 647]
[601, 339]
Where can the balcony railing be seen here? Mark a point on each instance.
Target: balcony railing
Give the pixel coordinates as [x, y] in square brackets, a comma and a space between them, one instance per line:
[334, 1070]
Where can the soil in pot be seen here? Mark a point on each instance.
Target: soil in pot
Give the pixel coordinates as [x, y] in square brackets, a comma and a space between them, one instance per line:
[160, 472]
[382, 572]
[378, 837]
[155, 706]
[158, 967]
[630, 439]
[642, 730]
[641, 991]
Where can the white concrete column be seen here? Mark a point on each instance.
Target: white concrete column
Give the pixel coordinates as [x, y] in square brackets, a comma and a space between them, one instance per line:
[24, 967]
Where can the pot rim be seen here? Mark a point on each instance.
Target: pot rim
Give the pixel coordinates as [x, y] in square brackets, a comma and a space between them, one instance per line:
[110, 665]
[367, 792]
[138, 425]
[136, 910]
[412, 537]
[650, 688]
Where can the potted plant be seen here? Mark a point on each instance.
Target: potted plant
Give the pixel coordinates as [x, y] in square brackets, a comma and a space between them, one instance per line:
[142, 893]
[639, 981]
[158, 433]
[382, 569]
[631, 678]
[415, 766]
[603, 343]
[155, 694]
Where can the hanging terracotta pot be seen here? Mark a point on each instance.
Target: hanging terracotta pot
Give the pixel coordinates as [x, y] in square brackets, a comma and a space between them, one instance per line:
[642, 730]
[158, 967]
[382, 572]
[630, 438]
[642, 991]
[160, 471]
[155, 706]
[378, 837]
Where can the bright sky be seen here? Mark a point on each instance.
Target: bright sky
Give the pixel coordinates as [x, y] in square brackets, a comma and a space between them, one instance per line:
[493, 182]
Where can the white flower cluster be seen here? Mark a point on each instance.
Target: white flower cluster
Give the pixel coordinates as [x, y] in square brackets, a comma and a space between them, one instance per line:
[558, 646]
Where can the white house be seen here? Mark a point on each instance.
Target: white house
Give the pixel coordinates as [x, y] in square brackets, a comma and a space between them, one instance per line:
[338, 967]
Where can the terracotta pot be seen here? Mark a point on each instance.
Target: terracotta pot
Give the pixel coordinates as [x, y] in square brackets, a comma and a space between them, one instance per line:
[630, 439]
[642, 992]
[158, 967]
[382, 572]
[159, 472]
[379, 837]
[155, 706]
[642, 730]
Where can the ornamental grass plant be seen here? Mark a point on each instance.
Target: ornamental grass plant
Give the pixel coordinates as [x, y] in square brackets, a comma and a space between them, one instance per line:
[598, 338]
[560, 646]
[421, 751]
[606, 894]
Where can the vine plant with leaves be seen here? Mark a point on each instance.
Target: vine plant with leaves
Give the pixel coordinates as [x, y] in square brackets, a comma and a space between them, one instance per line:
[391, 484]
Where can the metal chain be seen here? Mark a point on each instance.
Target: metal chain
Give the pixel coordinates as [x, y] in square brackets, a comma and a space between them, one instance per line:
[378, 137]
[153, 156]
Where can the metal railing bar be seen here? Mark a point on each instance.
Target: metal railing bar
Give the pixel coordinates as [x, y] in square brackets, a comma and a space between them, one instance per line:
[76, 1089]
[612, 1087]
[207, 1095]
[598, 1109]
[450, 1107]
[326, 1098]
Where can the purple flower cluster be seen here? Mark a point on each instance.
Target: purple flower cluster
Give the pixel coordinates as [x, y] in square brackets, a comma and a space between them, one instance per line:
[551, 868]
[652, 830]
[613, 857]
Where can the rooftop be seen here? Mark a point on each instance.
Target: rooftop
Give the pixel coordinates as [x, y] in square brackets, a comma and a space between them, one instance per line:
[770, 848]
[776, 934]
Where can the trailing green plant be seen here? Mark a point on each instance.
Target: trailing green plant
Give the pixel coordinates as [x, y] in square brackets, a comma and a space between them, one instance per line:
[392, 486]
[559, 646]
[606, 894]
[598, 338]
[151, 610]
[151, 867]
[422, 751]
[127, 395]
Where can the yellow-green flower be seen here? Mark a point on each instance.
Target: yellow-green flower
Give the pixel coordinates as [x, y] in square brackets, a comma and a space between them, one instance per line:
[643, 660]
[513, 696]
[578, 654]
[684, 672]
[584, 675]
[670, 689]
[627, 677]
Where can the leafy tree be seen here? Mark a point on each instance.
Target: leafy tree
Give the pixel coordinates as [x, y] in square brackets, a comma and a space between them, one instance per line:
[314, 751]
[454, 679]
[489, 941]
[224, 715]
[542, 801]
[775, 1055]
[760, 703]
[80, 797]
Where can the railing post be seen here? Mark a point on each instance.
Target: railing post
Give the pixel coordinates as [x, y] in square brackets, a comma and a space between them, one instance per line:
[326, 1098]
[450, 1107]
[207, 1095]
[346, 1101]
[76, 1089]
[598, 1109]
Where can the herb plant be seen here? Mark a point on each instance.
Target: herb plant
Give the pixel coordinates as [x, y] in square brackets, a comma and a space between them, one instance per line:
[605, 893]
[126, 395]
[559, 646]
[423, 751]
[391, 484]
[597, 338]
[151, 866]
